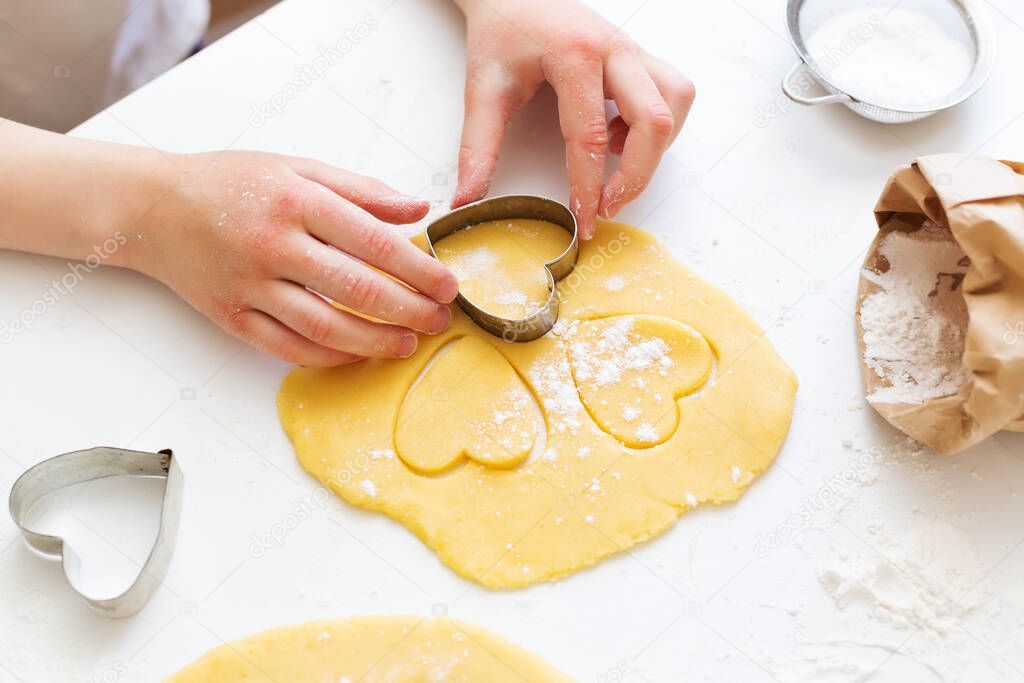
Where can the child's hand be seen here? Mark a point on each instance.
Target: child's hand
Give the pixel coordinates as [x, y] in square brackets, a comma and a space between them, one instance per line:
[515, 45]
[246, 235]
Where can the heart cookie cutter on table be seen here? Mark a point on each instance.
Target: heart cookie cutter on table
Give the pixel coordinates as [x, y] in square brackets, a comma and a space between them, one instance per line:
[79, 467]
[536, 324]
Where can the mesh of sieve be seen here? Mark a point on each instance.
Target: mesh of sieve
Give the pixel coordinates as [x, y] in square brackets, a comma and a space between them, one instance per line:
[966, 20]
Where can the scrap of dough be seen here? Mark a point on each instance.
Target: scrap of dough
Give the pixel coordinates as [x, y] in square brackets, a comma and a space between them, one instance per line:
[446, 417]
[500, 264]
[587, 495]
[402, 649]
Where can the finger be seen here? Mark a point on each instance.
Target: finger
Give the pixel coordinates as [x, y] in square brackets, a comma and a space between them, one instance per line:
[650, 123]
[348, 228]
[488, 107]
[578, 82]
[617, 130]
[272, 337]
[327, 326]
[675, 88]
[369, 194]
[358, 287]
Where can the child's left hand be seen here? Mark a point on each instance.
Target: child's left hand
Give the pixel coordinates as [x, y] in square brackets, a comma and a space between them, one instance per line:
[255, 239]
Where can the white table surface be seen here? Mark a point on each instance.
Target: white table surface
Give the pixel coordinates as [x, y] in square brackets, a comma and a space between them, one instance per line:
[911, 572]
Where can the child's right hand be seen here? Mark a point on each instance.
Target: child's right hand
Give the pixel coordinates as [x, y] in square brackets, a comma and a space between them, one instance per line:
[245, 236]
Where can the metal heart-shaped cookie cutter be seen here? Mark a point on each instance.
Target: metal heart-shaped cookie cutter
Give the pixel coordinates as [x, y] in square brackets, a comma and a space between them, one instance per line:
[79, 467]
[536, 324]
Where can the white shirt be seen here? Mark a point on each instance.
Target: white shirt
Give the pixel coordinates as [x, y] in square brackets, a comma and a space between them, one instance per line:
[61, 61]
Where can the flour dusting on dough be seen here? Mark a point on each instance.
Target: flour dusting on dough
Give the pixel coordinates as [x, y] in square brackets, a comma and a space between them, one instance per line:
[478, 263]
[500, 264]
[646, 432]
[626, 443]
[619, 350]
[645, 363]
[615, 283]
[561, 399]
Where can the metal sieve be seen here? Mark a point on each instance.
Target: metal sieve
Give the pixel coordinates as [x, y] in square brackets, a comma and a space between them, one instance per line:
[973, 25]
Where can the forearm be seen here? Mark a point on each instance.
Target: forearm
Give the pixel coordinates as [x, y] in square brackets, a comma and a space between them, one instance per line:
[64, 196]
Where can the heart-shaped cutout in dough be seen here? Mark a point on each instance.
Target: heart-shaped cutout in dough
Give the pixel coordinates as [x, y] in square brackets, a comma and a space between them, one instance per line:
[500, 264]
[631, 369]
[483, 413]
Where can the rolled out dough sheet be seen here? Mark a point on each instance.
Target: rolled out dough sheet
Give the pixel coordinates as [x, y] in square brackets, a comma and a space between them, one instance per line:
[518, 463]
[399, 649]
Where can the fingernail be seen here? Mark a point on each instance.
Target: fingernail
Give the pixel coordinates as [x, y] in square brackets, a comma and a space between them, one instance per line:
[441, 320]
[406, 346]
[586, 229]
[462, 196]
[611, 201]
[448, 289]
[471, 187]
[581, 224]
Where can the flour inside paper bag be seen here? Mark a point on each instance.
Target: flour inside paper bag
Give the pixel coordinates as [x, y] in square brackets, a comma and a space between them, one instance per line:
[914, 320]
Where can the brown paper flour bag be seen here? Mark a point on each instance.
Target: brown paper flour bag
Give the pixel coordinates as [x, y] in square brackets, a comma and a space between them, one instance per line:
[940, 303]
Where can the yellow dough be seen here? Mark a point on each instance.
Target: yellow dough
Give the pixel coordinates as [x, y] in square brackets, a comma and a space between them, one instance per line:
[496, 263]
[653, 394]
[631, 369]
[371, 650]
[441, 422]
